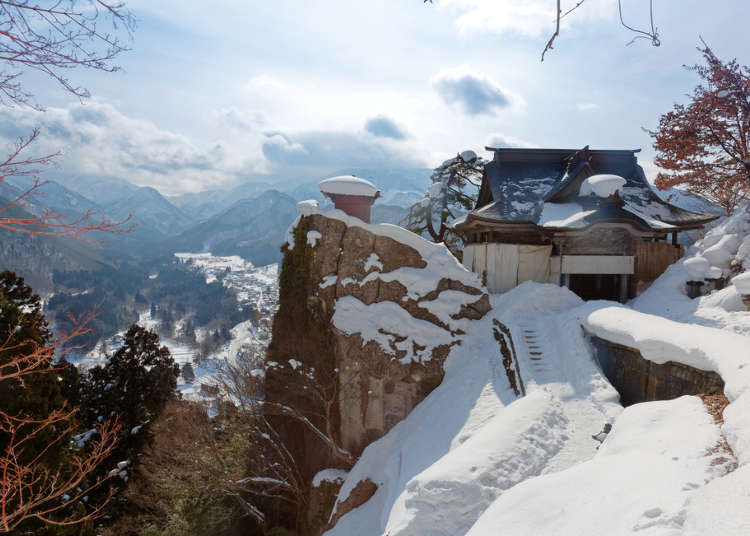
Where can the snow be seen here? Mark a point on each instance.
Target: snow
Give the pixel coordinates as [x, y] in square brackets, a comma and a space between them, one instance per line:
[697, 267]
[602, 185]
[307, 207]
[313, 237]
[563, 215]
[638, 482]
[347, 185]
[329, 475]
[440, 262]
[653, 222]
[384, 322]
[328, 281]
[373, 261]
[472, 438]
[742, 283]
[475, 459]
[468, 156]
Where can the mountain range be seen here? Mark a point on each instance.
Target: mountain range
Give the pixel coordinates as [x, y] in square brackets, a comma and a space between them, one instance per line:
[248, 219]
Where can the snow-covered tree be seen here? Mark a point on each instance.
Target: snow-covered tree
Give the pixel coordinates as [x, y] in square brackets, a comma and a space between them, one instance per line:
[453, 191]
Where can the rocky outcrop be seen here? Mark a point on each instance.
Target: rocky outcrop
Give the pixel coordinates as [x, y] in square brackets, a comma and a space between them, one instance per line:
[372, 309]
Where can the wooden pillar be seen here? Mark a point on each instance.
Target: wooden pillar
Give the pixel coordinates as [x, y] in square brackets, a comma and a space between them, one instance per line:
[565, 280]
[623, 297]
[674, 238]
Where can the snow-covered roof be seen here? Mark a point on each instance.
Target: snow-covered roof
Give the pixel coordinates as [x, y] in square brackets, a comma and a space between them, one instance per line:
[348, 185]
[602, 185]
[518, 185]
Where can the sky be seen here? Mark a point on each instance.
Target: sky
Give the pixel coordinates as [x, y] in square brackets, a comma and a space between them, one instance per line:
[209, 97]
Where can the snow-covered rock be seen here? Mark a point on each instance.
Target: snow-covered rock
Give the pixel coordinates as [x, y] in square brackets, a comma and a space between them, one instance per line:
[307, 207]
[742, 283]
[697, 267]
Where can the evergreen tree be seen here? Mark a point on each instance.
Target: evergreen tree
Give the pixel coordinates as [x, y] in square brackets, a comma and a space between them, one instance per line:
[135, 385]
[453, 192]
[22, 326]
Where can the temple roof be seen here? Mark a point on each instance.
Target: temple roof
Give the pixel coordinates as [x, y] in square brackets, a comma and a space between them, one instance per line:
[519, 185]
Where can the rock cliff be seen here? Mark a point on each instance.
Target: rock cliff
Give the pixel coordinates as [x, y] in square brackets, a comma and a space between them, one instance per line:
[370, 312]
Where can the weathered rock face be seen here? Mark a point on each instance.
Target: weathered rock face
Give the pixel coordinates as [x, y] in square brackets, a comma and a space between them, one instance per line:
[374, 308]
[640, 380]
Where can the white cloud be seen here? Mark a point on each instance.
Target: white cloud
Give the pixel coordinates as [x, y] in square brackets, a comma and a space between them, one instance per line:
[98, 140]
[498, 140]
[321, 150]
[586, 106]
[475, 93]
[529, 18]
[264, 82]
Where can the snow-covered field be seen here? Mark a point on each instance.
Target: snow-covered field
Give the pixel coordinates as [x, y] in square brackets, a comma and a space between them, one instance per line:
[473, 458]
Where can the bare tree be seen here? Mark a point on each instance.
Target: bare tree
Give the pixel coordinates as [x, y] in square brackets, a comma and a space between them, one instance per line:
[274, 473]
[651, 33]
[53, 39]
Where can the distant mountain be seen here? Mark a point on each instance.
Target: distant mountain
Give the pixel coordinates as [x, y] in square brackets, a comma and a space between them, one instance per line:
[202, 205]
[35, 258]
[382, 213]
[100, 190]
[151, 212]
[253, 228]
[50, 196]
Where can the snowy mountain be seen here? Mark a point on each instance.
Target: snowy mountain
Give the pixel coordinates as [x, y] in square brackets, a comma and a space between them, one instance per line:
[100, 190]
[51, 195]
[208, 203]
[151, 211]
[252, 228]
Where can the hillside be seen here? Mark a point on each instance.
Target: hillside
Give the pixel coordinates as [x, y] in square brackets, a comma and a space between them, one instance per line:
[252, 228]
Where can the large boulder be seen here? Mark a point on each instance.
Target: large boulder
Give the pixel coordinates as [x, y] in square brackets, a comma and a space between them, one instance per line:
[373, 309]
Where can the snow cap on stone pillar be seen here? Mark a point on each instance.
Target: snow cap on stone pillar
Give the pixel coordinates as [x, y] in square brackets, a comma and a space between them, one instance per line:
[351, 194]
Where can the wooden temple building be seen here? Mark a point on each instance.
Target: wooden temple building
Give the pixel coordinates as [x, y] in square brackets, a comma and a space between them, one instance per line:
[586, 219]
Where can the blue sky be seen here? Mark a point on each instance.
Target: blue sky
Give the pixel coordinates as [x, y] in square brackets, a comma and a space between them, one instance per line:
[210, 97]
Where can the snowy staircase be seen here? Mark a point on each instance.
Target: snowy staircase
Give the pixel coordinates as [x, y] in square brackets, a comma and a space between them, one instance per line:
[534, 347]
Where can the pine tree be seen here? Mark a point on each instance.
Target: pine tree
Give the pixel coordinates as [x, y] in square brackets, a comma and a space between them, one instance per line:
[453, 192]
[135, 385]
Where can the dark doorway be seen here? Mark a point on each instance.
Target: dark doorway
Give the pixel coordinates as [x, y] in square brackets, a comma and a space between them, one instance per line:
[596, 286]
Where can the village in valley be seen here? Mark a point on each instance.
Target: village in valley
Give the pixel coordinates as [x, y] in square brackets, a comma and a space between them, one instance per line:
[457, 291]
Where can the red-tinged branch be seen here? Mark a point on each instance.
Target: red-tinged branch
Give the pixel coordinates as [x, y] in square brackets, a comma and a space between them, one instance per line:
[703, 145]
[33, 358]
[57, 38]
[29, 490]
[50, 222]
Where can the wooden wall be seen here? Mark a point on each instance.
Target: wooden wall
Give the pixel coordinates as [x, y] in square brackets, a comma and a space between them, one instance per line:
[652, 258]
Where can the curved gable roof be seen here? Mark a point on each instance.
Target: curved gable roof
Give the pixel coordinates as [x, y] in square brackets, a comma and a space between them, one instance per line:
[521, 181]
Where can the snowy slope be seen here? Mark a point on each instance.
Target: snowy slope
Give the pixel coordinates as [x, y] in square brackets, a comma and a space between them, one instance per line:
[475, 459]
[472, 438]
[726, 248]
